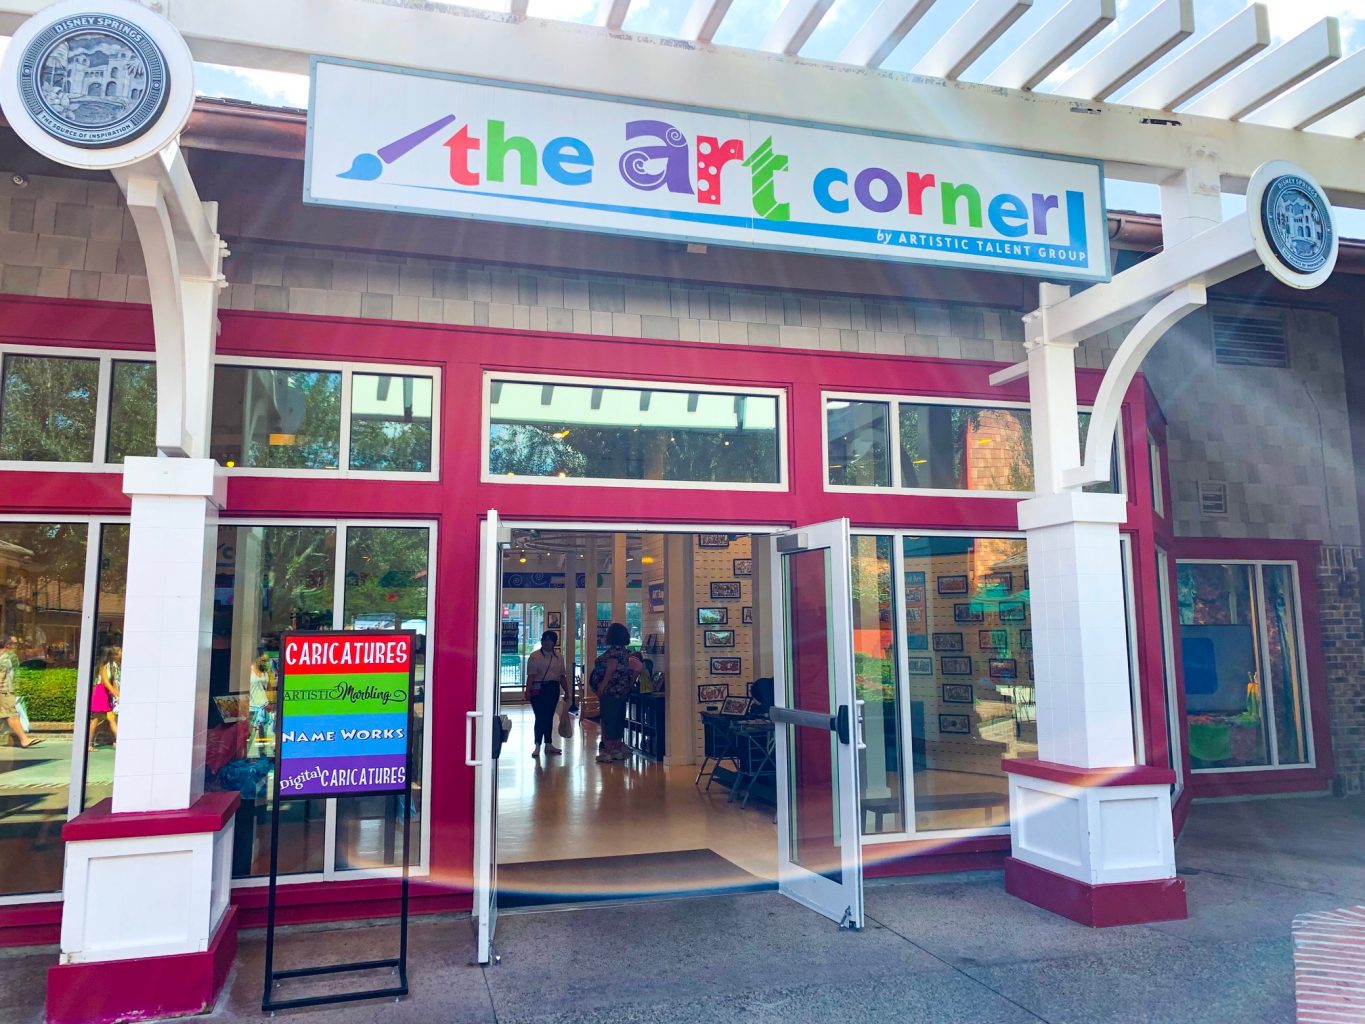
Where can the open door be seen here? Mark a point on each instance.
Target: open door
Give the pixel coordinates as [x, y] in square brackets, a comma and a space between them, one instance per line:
[484, 736]
[818, 729]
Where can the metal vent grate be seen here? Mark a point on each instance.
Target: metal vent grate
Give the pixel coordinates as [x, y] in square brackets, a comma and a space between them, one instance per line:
[1213, 498]
[1250, 339]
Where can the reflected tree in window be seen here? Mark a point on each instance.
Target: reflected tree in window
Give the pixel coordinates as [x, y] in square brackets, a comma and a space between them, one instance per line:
[391, 423]
[47, 408]
[132, 411]
[276, 418]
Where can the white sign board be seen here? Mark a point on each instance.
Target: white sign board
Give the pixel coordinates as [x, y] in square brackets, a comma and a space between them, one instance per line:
[391, 139]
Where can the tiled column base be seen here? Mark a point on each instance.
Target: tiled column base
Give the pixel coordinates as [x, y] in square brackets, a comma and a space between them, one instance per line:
[1093, 845]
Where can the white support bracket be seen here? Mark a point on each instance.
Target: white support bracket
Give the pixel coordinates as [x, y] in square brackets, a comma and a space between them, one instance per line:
[184, 258]
[1104, 417]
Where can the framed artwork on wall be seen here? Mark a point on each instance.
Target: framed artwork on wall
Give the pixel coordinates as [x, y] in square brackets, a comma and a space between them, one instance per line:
[957, 693]
[948, 642]
[952, 584]
[746, 615]
[966, 613]
[1003, 668]
[955, 725]
[713, 616]
[993, 639]
[1013, 611]
[656, 597]
[736, 707]
[725, 666]
[914, 616]
[1030, 668]
[955, 666]
[743, 566]
[713, 540]
[552, 620]
[914, 595]
[1026, 639]
[726, 590]
[914, 579]
[922, 665]
[711, 693]
[1002, 580]
[917, 641]
[718, 638]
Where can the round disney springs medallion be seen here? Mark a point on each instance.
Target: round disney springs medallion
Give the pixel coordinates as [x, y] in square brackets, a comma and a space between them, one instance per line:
[93, 81]
[1298, 223]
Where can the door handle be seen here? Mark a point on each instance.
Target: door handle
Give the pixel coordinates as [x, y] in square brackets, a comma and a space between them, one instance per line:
[469, 719]
[862, 724]
[843, 726]
[807, 719]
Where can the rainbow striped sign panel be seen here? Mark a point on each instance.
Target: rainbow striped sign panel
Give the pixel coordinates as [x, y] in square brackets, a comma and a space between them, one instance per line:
[345, 713]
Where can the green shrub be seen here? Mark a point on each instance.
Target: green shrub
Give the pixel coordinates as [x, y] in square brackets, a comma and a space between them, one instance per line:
[49, 693]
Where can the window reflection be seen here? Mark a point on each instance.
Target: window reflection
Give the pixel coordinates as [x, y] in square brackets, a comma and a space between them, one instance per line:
[390, 423]
[874, 664]
[105, 681]
[132, 411]
[47, 408]
[276, 418]
[859, 443]
[563, 430]
[42, 573]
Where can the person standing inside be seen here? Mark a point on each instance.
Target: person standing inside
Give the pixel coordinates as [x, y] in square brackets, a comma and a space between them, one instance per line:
[9, 701]
[104, 695]
[545, 681]
[258, 699]
[614, 675]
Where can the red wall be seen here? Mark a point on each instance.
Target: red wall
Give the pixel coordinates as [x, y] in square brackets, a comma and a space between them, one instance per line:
[459, 500]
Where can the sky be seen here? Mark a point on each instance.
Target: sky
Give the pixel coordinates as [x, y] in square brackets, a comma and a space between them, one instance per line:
[747, 21]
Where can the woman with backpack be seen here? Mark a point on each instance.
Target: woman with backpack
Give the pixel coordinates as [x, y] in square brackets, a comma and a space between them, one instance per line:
[615, 674]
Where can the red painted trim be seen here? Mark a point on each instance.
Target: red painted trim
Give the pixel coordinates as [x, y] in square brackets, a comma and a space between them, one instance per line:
[145, 988]
[1071, 775]
[934, 856]
[31, 924]
[325, 902]
[1099, 906]
[210, 813]
[1304, 554]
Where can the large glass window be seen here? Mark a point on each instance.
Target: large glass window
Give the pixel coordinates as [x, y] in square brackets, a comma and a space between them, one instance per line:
[105, 677]
[1245, 693]
[969, 674]
[42, 595]
[276, 418]
[132, 410]
[47, 408]
[547, 429]
[386, 588]
[875, 677]
[390, 423]
[938, 446]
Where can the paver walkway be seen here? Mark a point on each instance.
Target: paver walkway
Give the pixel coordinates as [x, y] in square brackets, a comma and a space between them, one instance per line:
[939, 949]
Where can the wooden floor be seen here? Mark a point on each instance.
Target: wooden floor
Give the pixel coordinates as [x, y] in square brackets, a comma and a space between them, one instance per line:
[570, 807]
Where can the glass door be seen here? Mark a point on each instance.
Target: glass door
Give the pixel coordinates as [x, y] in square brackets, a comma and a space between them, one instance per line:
[484, 736]
[818, 723]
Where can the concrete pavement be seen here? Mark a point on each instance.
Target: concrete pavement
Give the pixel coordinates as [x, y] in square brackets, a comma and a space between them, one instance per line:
[937, 949]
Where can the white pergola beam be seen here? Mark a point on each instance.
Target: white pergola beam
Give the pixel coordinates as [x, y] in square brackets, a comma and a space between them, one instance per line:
[1053, 44]
[970, 36]
[703, 20]
[883, 31]
[794, 26]
[611, 14]
[1323, 94]
[1234, 42]
[517, 8]
[1278, 70]
[1133, 49]
[1348, 122]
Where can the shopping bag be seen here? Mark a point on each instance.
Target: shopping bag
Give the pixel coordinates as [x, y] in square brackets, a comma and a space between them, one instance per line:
[22, 705]
[565, 721]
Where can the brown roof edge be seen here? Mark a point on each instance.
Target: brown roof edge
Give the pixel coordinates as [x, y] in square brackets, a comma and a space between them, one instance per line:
[237, 126]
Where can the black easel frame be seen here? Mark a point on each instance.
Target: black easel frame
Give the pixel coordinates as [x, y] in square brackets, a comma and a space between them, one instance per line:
[400, 963]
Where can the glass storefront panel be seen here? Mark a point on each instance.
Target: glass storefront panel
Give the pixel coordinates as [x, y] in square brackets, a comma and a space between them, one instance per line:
[106, 663]
[859, 443]
[1283, 664]
[276, 418]
[42, 593]
[874, 670]
[132, 411]
[614, 433]
[390, 423]
[268, 579]
[969, 675]
[1221, 655]
[387, 569]
[47, 408]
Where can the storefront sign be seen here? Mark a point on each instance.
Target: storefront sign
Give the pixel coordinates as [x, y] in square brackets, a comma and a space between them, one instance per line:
[401, 140]
[345, 713]
[97, 84]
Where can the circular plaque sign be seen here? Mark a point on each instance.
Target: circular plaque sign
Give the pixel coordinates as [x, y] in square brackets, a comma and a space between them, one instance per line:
[1292, 224]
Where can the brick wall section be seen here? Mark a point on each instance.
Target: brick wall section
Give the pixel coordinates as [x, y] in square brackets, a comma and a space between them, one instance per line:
[1343, 656]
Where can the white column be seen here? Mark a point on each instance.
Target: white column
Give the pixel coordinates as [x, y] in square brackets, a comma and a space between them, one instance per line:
[168, 616]
[589, 603]
[618, 578]
[680, 700]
